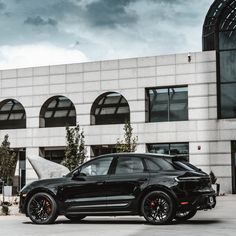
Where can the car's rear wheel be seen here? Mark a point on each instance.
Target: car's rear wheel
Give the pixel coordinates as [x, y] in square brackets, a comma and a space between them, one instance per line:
[185, 215]
[158, 208]
[42, 208]
[75, 218]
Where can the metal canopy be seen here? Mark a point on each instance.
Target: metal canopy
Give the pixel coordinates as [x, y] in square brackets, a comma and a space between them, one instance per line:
[220, 17]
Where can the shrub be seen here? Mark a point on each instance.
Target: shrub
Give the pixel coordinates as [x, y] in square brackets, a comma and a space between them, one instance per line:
[5, 209]
[212, 177]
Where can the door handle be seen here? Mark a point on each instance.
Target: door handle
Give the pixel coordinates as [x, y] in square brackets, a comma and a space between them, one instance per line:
[100, 182]
[142, 179]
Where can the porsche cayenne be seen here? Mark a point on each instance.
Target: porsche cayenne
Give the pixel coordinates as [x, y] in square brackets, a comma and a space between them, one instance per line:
[158, 187]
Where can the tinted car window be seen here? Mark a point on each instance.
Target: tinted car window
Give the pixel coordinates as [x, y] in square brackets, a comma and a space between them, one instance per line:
[186, 166]
[97, 167]
[128, 165]
[157, 164]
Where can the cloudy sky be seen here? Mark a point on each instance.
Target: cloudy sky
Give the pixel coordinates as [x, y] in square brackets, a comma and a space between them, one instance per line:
[45, 32]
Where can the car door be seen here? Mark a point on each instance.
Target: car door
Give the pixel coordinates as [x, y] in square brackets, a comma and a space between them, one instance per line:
[86, 191]
[129, 178]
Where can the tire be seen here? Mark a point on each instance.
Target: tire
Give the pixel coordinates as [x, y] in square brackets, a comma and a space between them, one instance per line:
[75, 218]
[185, 215]
[158, 208]
[42, 208]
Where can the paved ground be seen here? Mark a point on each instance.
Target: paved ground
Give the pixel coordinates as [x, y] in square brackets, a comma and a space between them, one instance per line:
[220, 221]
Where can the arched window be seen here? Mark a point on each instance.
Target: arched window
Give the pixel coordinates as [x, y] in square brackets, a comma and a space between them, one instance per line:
[219, 25]
[219, 33]
[57, 111]
[12, 115]
[110, 108]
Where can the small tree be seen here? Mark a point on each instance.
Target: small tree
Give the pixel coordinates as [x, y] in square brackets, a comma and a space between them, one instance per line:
[75, 151]
[129, 144]
[8, 162]
[213, 177]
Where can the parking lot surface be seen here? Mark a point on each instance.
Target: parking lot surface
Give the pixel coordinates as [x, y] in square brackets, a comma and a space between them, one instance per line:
[219, 221]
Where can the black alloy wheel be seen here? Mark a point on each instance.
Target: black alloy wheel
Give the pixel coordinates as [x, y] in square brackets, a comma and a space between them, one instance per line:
[76, 218]
[185, 215]
[157, 208]
[42, 208]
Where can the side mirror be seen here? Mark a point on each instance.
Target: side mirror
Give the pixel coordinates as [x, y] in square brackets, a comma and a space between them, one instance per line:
[77, 175]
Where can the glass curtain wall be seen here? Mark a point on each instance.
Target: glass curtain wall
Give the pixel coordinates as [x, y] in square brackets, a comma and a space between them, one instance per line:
[219, 33]
[227, 61]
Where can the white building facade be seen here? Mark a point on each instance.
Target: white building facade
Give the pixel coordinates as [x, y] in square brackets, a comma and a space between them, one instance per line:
[171, 102]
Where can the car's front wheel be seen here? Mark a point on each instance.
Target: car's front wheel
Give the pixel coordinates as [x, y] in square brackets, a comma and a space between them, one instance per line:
[185, 215]
[42, 208]
[158, 208]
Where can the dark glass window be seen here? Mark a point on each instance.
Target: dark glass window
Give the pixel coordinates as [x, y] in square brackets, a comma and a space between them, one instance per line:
[227, 80]
[55, 154]
[12, 115]
[228, 100]
[58, 111]
[159, 163]
[98, 150]
[181, 149]
[168, 104]
[97, 167]
[228, 66]
[110, 108]
[227, 39]
[129, 165]
[219, 33]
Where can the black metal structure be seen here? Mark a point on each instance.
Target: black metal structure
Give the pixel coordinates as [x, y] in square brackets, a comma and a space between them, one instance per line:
[57, 111]
[219, 33]
[12, 115]
[220, 17]
[110, 108]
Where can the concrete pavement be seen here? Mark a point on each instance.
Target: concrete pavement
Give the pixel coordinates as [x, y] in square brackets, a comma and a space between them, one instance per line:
[219, 221]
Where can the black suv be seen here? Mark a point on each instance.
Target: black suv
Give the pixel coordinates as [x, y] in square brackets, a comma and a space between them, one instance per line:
[159, 187]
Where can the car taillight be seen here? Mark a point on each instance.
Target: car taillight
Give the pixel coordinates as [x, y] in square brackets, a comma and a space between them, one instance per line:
[190, 179]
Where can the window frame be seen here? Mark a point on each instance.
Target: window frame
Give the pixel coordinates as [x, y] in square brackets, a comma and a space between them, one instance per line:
[161, 168]
[78, 169]
[10, 109]
[186, 156]
[101, 105]
[53, 121]
[116, 159]
[148, 103]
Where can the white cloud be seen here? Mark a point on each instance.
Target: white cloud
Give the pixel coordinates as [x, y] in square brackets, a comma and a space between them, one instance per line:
[38, 55]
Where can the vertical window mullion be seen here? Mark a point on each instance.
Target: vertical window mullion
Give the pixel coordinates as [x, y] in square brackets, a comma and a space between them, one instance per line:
[168, 104]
